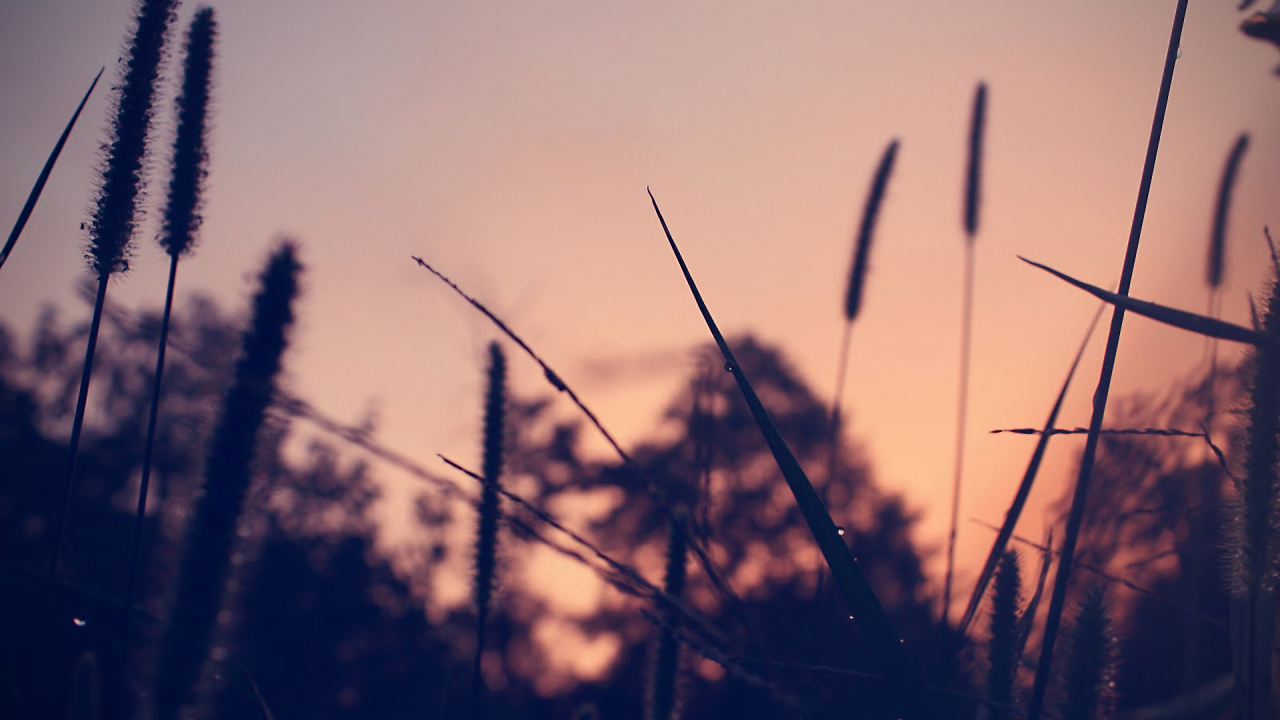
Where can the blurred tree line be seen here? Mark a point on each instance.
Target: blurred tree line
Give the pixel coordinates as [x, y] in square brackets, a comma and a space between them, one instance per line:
[325, 624]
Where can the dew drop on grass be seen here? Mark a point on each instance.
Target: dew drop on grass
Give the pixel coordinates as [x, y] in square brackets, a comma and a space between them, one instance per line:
[728, 366]
[840, 531]
[79, 622]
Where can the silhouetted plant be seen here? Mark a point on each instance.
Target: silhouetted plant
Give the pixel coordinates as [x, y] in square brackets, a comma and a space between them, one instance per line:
[1218, 237]
[1089, 671]
[857, 278]
[111, 227]
[1254, 551]
[34, 196]
[204, 574]
[661, 701]
[1003, 651]
[972, 192]
[489, 512]
[181, 221]
[1081, 490]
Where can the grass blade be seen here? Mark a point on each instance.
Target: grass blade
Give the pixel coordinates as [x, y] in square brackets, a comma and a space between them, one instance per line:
[30, 205]
[877, 629]
[1024, 489]
[1203, 325]
[1080, 495]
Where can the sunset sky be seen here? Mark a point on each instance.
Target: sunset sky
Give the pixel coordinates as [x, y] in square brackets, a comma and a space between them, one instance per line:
[510, 144]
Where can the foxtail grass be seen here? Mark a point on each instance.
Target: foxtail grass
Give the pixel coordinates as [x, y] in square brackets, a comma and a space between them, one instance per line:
[1024, 489]
[180, 224]
[877, 629]
[1088, 679]
[1003, 656]
[1254, 527]
[1218, 235]
[34, 196]
[1203, 490]
[972, 196]
[205, 568]
[111, 227]
[857, 279]
[662, 699]
[1080, 495]
[488, 513]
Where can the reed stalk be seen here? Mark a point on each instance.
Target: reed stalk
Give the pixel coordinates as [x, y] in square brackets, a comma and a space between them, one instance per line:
[1076, 515]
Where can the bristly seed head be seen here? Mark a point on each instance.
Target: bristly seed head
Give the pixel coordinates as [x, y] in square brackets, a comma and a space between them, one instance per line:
[115, 210]
[977, 127]
[487, 532]
[190, 152]
[1218, 235]
[862, 251]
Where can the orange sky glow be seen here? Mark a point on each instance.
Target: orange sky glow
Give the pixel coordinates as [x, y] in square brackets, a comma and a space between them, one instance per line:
[510, 145]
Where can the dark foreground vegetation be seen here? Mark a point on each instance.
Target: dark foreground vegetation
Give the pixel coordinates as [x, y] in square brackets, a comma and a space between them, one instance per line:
[166, 552]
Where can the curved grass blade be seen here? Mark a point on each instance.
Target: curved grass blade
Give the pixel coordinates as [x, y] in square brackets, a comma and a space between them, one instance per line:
[1024, 489]
[878, 631]
[30, 205]
[1200, 324]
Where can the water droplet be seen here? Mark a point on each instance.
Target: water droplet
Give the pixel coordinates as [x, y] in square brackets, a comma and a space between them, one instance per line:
[840, 531]
[728, 366]
[850, 617]
[79, 622]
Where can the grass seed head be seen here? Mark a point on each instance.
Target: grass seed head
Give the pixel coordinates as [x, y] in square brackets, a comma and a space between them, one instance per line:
[190, 147]
[862, 250]
[115, 209]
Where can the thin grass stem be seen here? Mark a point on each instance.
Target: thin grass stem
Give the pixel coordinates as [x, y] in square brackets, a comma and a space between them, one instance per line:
[1076, 516]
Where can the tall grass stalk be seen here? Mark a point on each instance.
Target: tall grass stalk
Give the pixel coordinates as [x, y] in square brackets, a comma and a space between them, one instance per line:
[1204, 491]
[30, 205]
[1003, 656]
[1255, 526]
[204, 572]
[1076, 515]
[877, 629]
[662, 699]
[111, 227]
[1014, 512]
[857, 279]
[181, 221]
[489, 513]
[973, 191]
